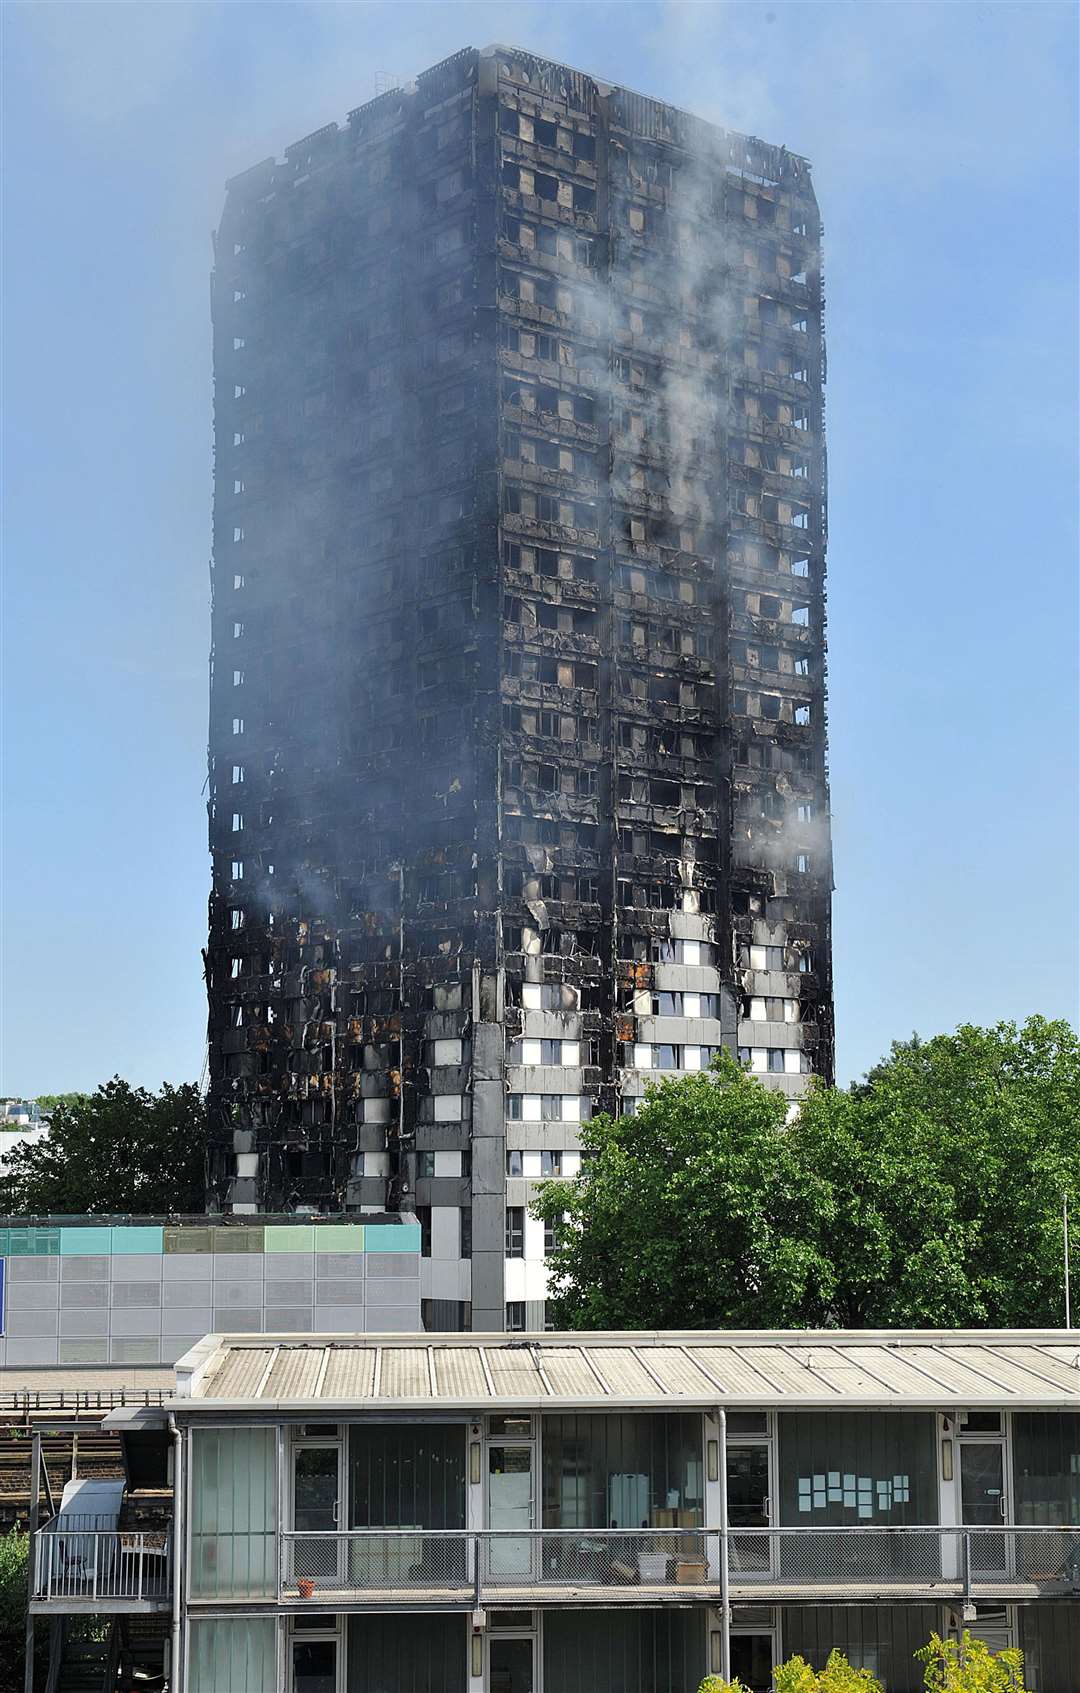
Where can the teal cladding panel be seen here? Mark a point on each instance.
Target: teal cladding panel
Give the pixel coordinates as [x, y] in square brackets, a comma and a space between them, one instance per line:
[143, 1238]
[78, 1242]
[392, 1237]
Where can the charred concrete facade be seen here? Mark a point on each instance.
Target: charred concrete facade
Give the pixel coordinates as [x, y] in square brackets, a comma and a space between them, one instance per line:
[518, 782]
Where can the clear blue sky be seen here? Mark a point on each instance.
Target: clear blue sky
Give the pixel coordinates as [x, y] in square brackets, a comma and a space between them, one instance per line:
[943, 141]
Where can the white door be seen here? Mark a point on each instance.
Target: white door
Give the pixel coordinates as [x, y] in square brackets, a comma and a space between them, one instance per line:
[510, 1503]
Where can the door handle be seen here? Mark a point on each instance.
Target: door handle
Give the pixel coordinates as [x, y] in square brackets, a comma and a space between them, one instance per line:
[334, 1513]
[1003, 1507]
[766, 1508]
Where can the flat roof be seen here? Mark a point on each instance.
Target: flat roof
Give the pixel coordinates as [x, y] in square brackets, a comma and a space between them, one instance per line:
[1017, 1369]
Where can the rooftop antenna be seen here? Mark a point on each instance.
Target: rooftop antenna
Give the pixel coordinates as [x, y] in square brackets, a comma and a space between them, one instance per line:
[1068, 1295]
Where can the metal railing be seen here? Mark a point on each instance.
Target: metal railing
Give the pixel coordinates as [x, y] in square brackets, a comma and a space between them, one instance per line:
[956, 1560]
[22, 1402]
[76, 1560]
[384, 1564]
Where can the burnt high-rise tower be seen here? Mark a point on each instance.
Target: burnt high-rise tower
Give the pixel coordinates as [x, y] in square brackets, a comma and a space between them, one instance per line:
[517, 743]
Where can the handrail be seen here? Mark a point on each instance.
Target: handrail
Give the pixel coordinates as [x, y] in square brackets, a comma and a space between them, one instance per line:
[386, 1564]
[74, 1561]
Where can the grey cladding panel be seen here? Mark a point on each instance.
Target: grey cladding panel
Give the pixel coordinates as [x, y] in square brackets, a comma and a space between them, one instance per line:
[80, 1268]
[393, 1264]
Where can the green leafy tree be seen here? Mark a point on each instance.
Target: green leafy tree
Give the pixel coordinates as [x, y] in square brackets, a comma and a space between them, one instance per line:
[947, 1168]
[838, 1676]
[49, 1101]
[14, 1551]
[969, 1666]
[120, 1149]
[693, 1213]
[796, 1676]
[929, 1195]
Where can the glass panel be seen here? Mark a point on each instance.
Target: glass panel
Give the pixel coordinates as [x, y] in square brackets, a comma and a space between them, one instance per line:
[844, 1468]
[407, 1654]
[518, 1427]
[752, 1658]
[747, 1422]
[637, 1651]
[627, 1471]
[885, 1636]
[857, 1469]
[1046, 1467]
[316, 1495]
[233, 1513]
[748, 1486]
[407, 1477]
[232, 1655]
[982, 1489]
[748, 1496]
[315, 1666]
[511, 1666]
[982, 1483]
[315, 1509]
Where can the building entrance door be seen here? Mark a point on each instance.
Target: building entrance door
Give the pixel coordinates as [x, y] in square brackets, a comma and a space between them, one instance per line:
[752, 1660]
[316, 1510]
[749, 1493]
[984, 1503]
[511, 1665]
[510, 1505]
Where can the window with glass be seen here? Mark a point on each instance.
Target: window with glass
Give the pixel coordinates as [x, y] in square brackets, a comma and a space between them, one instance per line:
[415, 1654]
[630, 1471]
[639, 1651]
[233, 1513]
[858, 1469]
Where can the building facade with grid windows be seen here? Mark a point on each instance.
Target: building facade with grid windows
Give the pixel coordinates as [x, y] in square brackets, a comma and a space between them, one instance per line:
[518, 784]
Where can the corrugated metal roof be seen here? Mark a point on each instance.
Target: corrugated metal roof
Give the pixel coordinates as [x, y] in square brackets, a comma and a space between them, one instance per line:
[469, 1372]
[239, 1372]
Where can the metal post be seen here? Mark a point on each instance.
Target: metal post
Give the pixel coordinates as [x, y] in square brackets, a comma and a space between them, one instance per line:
[31, 1561]
[476, 1572]
[1068, 1290]
[725, 1604]
[966, 1547]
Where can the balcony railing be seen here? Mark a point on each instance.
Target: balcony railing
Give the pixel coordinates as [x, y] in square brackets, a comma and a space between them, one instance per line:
[80, 1566]
[384, 1567]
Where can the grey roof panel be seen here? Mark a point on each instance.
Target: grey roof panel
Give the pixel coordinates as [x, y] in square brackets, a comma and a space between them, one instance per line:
[350, 1373]
[460, 1374]
[514, 1371]
[404, 1373]
[239, 1372]
[569, 1374]
[295, 1373]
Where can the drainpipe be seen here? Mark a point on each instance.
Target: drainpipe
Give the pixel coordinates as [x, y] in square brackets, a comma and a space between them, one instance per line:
[34, 1554]
[178, 1512]
[725, 1603]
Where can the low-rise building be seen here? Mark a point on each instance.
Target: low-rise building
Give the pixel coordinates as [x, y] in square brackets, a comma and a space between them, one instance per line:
[87, 1291]
[618, 1513]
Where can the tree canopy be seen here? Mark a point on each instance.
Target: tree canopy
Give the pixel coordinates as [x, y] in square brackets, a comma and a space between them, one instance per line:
[120, 1149]
[930, 1194]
